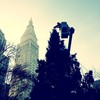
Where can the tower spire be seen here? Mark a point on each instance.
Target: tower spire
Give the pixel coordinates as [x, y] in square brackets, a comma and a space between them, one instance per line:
[26, 56]
[30, 22]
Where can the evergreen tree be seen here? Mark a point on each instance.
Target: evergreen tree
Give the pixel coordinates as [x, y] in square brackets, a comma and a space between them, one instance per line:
[88, 90]
[59, 74]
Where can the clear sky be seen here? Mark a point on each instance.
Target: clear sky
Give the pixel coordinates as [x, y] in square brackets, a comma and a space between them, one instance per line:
[83, 15]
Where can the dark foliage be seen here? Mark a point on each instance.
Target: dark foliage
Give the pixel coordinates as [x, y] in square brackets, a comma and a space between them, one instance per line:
[21, 81]
[4, 60]
[59, 76]
[20, 71]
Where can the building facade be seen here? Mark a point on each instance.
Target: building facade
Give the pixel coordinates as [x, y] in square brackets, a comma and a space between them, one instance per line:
[22, 80]
[28, 49]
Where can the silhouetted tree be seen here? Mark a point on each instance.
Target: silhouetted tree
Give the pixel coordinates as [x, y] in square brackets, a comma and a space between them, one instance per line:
[88, 79]
[21, 83]
[4, 60]
[59, 75]
[88, 91]
[96, 85]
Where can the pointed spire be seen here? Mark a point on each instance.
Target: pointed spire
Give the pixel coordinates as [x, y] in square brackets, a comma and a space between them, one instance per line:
[29, 31]
[30, 22]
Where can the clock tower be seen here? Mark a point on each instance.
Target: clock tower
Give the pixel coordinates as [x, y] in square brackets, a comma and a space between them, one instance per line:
[26, 63]
[28, 49]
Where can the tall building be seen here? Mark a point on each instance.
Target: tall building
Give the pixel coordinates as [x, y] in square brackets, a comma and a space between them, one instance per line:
[4, 61]
[22, 80]
[28, 49]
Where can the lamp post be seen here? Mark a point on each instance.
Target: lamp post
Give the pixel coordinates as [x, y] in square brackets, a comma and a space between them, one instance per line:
[65, 32]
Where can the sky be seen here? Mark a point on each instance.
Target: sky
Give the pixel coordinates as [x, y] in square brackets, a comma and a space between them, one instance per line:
[83, 15]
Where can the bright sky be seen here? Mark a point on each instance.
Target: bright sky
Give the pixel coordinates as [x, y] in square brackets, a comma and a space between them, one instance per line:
[83, 15]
